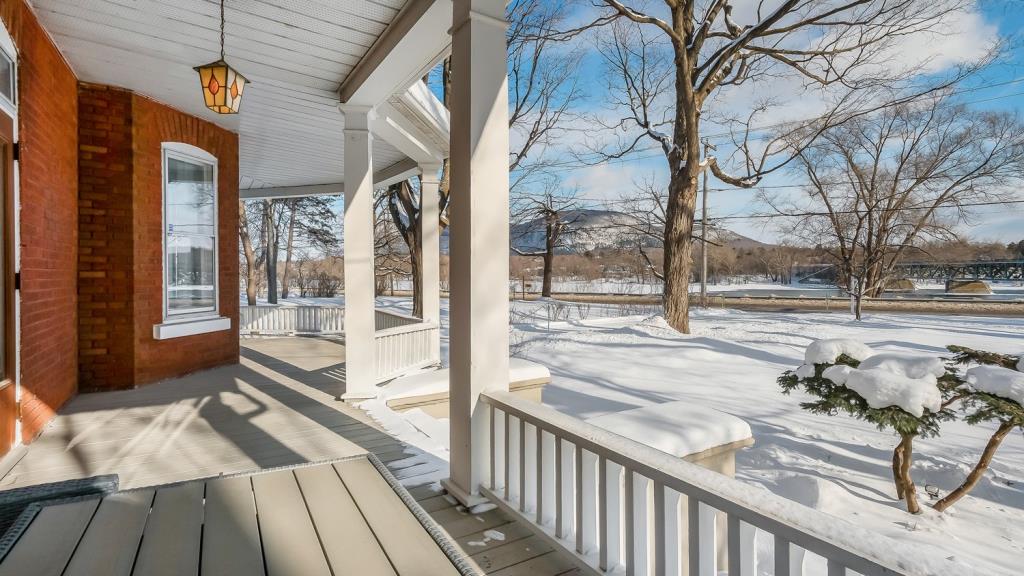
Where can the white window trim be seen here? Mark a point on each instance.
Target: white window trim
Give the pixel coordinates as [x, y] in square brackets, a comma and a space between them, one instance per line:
[201, 321]
[10, 106]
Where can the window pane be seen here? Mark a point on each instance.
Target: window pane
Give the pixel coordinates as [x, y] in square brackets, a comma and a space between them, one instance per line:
[190, 273]
[190, 193]
[6, 76]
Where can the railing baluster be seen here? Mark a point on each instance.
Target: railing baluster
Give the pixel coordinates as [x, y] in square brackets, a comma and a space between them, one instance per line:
[742, 557]
[835, 568]
[781, 556]
[559, 519]
[492, 433]
[578, 493]
[627, 525]
[539, 492]
[522, 465]
[508, 458]
[659, 529]
[602, 512]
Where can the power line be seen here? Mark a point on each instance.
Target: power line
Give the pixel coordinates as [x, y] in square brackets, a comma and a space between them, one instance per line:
[806, 214]
[568, 166]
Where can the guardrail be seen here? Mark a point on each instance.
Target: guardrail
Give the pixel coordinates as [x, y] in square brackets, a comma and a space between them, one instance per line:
[401, 343]
[622, 505]
[283, 320]
[404, 348]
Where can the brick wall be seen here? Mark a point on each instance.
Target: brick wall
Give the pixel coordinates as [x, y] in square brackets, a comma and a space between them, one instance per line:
[121, 246]
[152, 124]
[48, 126]
[106, 338]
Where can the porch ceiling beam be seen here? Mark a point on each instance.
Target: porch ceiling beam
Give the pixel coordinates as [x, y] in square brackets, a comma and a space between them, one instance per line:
[405, 136]
[415, 41]
[395, 173]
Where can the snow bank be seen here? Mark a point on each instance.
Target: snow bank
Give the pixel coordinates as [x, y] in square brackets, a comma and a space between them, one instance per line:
[1020, 363]
[909, 365]
[826, 351]
[998, 381]
[882, 388]
[436, 381]
[677, 428]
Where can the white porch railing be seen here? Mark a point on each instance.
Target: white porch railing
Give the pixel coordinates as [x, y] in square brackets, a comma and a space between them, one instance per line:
[404, 348]
[275, 320]
[622, 505]
[402, 343]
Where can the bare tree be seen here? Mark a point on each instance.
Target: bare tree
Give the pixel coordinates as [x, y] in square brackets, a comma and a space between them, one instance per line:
[311, 225]
[552, 210]
[543, 74]
[882, 184]
[249, 216]
[665, 67]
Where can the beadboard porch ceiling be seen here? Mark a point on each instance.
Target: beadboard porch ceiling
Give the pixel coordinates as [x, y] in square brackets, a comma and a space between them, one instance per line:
[296, 54]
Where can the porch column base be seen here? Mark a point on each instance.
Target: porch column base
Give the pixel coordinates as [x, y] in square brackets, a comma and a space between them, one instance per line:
[466, 499]
[356, 396]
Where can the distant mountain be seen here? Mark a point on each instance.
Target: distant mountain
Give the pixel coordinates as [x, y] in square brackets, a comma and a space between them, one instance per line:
[607, 229]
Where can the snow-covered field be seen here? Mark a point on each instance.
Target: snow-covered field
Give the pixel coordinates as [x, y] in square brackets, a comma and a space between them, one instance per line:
[835, 464]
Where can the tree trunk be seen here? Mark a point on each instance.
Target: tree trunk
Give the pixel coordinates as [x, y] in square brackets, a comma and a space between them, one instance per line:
[288, 252]
[979, 469]
[909, 490]
[272, 248]
[678, 252]
[250, 255]
[549, 256]
[897, 462]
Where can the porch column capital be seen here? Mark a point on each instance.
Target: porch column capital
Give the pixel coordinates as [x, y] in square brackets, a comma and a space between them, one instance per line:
[358, 117]
[430, 173]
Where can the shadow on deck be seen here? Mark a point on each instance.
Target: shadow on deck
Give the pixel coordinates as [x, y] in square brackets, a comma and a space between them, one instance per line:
[275, 408]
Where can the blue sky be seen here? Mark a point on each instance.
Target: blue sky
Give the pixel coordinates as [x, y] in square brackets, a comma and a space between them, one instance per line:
[1000, 223]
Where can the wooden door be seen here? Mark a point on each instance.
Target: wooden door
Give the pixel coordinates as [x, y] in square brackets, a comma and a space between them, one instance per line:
[8, 390]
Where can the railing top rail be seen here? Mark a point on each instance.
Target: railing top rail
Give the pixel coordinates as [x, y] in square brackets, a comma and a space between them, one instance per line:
[418, 327]
[398, 315]
[810, 529]
[290, 306]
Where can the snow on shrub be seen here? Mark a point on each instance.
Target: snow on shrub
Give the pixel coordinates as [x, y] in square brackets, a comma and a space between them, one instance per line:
[912, 395]
[882, 388]
[909, 365]
[828, 350]
[997, 381]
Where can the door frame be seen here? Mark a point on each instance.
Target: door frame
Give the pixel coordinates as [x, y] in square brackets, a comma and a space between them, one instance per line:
[10, 240]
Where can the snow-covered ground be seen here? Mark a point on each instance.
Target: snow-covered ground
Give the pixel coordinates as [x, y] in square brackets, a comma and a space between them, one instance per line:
[730, 363]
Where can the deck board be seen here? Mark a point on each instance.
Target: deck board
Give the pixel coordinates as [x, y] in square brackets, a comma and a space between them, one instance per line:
[403, 539]
[111, 541]
[171, 539]
[350, 545]
[231, 536]
[290, 541]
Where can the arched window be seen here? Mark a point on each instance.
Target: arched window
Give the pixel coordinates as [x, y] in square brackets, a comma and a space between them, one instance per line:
[190, 231]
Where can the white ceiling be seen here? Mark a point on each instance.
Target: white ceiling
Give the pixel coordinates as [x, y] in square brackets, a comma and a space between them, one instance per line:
[294, 52]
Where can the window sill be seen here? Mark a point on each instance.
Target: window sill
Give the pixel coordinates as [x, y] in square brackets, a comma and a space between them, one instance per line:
[190, 327]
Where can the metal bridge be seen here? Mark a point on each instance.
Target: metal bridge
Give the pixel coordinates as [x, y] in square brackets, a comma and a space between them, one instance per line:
[981, 270]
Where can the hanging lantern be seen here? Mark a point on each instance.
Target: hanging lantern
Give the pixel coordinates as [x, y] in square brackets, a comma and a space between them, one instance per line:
[222, 84]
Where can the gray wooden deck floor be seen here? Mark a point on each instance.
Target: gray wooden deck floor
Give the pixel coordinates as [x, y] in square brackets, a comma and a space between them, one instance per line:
[320, 520]
[275, 408]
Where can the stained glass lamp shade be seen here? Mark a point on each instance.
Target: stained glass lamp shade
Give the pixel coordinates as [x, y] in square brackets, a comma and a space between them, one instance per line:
[222, 87]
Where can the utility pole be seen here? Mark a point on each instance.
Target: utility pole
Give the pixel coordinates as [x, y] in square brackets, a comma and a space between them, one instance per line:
[704, 231]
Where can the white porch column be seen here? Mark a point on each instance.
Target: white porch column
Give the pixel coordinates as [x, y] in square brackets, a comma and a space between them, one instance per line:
[430, 244]
[359, 280]
[479, 239]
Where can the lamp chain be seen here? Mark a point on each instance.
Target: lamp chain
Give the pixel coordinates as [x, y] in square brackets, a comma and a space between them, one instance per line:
[221, 29]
